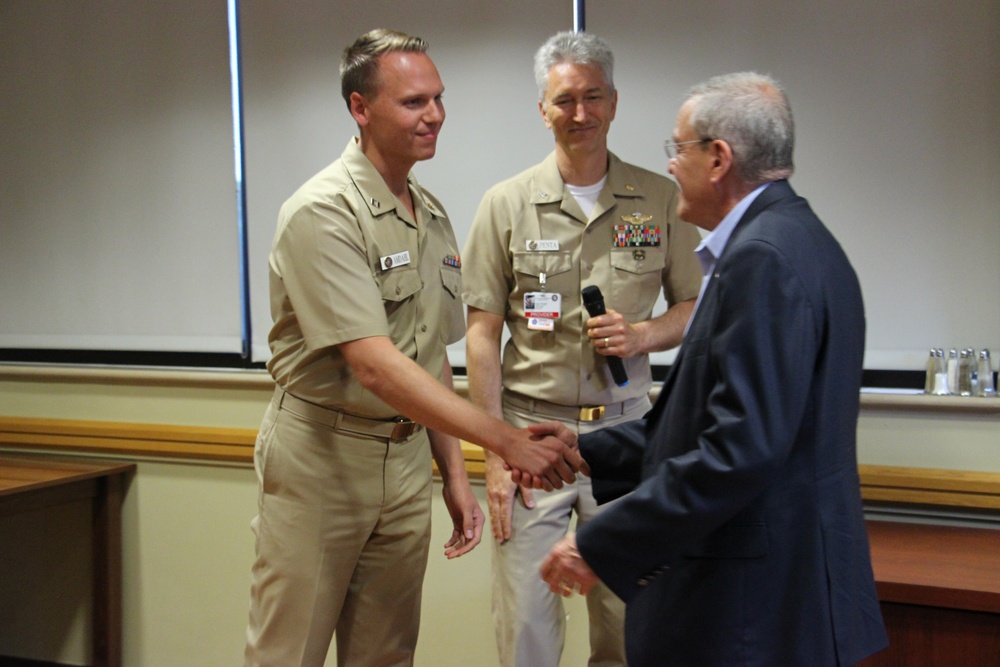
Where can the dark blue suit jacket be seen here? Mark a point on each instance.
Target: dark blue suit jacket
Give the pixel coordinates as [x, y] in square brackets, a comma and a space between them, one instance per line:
[741, 540]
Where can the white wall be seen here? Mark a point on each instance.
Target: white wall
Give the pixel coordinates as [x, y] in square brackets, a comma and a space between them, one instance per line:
[118, 192]
[895, 105]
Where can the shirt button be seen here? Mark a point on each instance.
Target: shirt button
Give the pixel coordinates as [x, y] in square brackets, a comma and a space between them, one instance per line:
[423, 328]
[398, 290]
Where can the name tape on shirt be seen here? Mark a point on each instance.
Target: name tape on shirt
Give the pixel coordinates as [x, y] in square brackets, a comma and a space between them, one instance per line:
[541, 245]
[397, 259]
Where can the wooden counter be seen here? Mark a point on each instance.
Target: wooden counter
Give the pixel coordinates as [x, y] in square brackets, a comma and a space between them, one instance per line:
[32, 483]
[940, 592]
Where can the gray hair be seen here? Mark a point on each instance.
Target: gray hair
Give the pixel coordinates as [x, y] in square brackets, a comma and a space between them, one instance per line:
[751, 113]
[580, 48]
[359, 68]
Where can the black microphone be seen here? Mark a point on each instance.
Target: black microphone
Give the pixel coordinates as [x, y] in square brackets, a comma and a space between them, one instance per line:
[593, 301]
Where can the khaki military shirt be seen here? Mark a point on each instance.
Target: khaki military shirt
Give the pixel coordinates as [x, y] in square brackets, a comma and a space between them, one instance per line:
[631, 247]
[348, 261]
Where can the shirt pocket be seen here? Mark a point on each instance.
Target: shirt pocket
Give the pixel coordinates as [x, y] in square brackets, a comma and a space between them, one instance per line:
[451, 280]
[398, 286]
[635, 280]
[557, 269]
[452, 313]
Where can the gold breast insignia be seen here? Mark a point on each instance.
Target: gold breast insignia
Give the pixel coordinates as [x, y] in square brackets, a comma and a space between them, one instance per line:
[636, 218]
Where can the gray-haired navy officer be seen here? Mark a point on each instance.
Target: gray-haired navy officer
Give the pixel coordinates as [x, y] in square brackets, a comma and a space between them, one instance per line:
[581, 217]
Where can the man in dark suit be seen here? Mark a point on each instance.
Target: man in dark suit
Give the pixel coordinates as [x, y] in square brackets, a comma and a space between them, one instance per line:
[741, 540]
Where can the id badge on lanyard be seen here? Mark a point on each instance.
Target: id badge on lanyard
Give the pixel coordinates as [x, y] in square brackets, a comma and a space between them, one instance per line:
[542, 308]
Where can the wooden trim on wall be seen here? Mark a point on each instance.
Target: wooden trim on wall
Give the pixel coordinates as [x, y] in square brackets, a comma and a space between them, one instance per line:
[910, 486]
[233, 445]
[126, 439]
[929, 486]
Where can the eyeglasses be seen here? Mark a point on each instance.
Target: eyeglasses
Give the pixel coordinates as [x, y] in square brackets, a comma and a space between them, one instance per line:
[670, 147]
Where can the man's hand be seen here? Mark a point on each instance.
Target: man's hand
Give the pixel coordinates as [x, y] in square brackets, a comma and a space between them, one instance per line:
[555, 437]
[500, 493]
[559, 430]
[565, 571]
[466, 516]
[612, 336]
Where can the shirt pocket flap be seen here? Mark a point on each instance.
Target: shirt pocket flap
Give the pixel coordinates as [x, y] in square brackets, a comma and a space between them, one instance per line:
[400, 284]
[633, 262]
[451, 278]
[537, 263]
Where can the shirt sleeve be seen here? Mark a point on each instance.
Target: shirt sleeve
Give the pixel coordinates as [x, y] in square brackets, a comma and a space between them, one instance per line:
[322, 260]
[487, 276]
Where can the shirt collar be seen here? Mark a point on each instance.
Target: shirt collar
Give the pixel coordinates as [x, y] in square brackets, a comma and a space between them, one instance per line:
[548, 183]
[376, 194]
[711, 247]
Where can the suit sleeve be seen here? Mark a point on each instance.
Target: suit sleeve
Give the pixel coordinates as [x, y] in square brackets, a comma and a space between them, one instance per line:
[615, 458]
[756, 370]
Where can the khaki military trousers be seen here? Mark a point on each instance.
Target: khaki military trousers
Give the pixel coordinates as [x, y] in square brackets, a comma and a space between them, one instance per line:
[342, 534]
[530, 620]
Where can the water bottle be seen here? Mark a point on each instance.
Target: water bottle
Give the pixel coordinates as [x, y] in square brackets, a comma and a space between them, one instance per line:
[941, 387]
[931, 372]
[966, 365]
[985, 372]
[952, 370]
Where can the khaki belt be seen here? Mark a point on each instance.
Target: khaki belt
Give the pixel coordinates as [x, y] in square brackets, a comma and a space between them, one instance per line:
[396, 429]
[582, 413]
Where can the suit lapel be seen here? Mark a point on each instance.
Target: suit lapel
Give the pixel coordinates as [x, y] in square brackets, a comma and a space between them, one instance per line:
[777, 191]
[661, 400]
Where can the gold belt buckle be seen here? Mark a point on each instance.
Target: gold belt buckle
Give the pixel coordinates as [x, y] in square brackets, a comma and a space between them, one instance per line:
[403, 429]
[591, 413]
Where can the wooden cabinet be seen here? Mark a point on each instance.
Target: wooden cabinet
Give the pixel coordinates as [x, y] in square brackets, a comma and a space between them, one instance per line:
[33, 483]
[940, 592]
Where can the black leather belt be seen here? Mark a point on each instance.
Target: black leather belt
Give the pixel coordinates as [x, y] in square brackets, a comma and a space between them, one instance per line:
[582, 413]
[395, 429]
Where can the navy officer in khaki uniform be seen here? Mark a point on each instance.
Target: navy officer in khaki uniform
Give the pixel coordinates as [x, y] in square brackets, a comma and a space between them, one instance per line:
[582, 217]
[365, 295]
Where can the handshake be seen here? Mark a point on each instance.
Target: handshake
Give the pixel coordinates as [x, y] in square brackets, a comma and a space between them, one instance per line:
[564, 569]
[548, 457]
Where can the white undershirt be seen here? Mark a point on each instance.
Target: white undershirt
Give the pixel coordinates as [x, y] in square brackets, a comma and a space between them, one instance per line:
[586, 195]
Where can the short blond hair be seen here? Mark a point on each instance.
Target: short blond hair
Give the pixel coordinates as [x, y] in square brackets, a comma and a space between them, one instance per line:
[359, 68]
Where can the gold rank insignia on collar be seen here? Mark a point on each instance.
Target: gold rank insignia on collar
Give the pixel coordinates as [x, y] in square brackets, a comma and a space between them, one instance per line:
[636, 218]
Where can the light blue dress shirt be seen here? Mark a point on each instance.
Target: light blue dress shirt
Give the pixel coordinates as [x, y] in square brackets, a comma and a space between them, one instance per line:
[711, 247]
